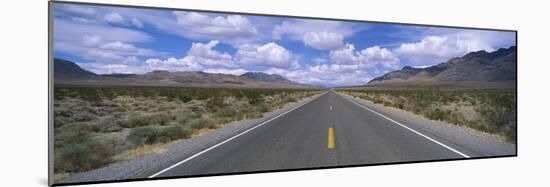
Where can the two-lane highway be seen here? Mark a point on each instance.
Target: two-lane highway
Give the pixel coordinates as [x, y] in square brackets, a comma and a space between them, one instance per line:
[330, 130]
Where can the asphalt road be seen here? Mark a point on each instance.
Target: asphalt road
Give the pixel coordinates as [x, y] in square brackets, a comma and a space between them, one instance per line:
[301, 138]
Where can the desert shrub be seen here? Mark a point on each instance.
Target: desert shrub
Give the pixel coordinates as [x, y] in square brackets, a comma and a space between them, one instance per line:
[106, 103]
[255, 99]
[499, 111]
[117, 144]
[400, 105]
[202, 123]
[194, 124]
[186, 116]
[458, 119]
[110, 124]
[245, 111]
[142, 107]
[114, 109]
[399, 102]
[227, 112]
[73, 131]
[184, 98]
[83, 116]
[245, 108]
[253, 115]
[131, 106]
[417, 110]
[482, 126]
[81, 153]
[207, 122]
[196, 106]
[213, 104]
[289, 99]
[175, 132]
[161, 106]
[138, 120]
[439, 114]
[263, 107]
[161, 118]
[143, 135]
[60, 121]
[61, 111]
[511, 133]
[377, 100]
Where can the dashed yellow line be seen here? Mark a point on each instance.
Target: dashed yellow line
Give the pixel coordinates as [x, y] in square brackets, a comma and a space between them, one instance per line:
[331, 143]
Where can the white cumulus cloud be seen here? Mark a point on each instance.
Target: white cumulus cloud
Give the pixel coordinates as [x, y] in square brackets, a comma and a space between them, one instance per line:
[200, 56]
[226, 71]
[325, 74]
[119, 46]
[136, 22]
[174, 64]
[204, 54]
[436, 49]
[76, 13]
[298, 28]
[204, 26]
[91, 40]
[319, 34]
[323, 40]
[381, 56]
[366, 58]
[97, 49]
[114, 18]
[267, 55]
[128, 64]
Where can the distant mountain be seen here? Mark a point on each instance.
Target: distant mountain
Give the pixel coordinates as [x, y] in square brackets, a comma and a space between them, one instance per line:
[188, 77]
[67, 72]
[259, 76]
[474, 69]
[119, 75]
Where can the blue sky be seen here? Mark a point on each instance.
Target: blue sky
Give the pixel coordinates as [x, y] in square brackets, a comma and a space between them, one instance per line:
[105, 39]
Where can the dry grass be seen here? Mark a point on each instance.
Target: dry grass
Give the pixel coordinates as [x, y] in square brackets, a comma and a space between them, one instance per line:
[144, 150]
[201, 132]
[58, 177]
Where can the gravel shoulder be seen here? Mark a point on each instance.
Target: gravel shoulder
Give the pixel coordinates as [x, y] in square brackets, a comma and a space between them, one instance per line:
[466, 140]
[145, 166]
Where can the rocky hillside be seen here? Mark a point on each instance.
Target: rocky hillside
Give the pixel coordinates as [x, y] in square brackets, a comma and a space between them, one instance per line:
[67, 72]
[259, 76]
[473, 69]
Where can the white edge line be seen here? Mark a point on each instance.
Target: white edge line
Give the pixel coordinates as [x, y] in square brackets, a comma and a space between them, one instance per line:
[225, 141]
[410, 129]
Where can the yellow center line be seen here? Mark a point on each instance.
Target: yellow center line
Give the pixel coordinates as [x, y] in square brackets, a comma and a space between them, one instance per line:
[331, 143]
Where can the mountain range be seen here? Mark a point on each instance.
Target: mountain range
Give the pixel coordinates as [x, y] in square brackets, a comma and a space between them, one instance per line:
[480, 69]
[476, 69]
[67, 72]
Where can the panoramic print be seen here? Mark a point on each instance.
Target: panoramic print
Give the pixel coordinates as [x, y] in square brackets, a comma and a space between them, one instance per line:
[141, 93]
